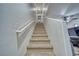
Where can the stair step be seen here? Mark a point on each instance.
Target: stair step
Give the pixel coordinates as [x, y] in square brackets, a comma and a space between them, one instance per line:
[40, 35]
[30, 47]
[45, 38]
[41, 32]
[40, 52]
[33, 40]
[36, 38]
[37, 44]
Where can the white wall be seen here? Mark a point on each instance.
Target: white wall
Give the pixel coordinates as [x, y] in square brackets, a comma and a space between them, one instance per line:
[58, 34]
[23, 48]
[11, 17]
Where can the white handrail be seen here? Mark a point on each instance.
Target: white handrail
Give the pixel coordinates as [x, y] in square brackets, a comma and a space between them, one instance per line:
[22, 29]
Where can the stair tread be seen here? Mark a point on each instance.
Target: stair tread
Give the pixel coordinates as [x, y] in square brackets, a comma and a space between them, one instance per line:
[40, 52]
[39, 46]
[39, 43]
[39, 49]
[39, 40]
[39, 32]
[39, 35]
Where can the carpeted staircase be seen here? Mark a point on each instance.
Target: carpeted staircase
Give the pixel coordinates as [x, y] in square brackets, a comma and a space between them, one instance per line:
[39, 44]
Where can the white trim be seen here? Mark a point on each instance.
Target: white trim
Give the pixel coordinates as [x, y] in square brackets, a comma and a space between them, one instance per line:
[24, 27]
[66, 38]
[74, 37]
[55, 19]
[64, 41]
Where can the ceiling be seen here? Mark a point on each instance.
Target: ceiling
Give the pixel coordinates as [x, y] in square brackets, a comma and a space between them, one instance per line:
[40, 9]
[54, 10]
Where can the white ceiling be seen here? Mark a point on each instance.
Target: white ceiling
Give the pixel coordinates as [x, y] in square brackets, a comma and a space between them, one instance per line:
[73, 9]
[40, 9]
[55, 10]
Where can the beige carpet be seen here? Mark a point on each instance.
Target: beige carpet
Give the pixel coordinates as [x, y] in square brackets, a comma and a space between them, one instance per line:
[39, 44]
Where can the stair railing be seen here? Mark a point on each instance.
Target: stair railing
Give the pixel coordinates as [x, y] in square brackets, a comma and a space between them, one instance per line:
[22, 32]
